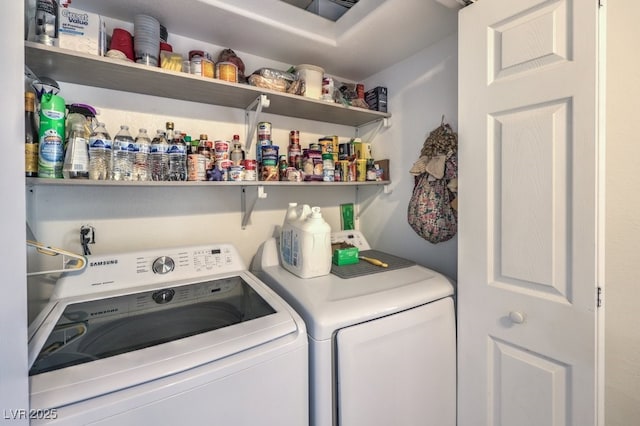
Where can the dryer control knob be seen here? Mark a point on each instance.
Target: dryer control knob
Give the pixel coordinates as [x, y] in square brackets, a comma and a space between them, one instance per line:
[163, 296]
[163, 265]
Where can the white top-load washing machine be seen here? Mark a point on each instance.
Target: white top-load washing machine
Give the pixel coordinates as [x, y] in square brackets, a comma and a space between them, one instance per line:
[382, 344]
[165, 337]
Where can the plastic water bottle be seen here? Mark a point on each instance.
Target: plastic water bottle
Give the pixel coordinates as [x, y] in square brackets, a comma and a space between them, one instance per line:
[177, 157]
[141, 148]
[122, 155]
[100, 153]
[76, 159]
[159, 157]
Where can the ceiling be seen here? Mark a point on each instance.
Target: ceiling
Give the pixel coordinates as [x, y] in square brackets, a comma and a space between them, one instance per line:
[371, 36]
[329, 9]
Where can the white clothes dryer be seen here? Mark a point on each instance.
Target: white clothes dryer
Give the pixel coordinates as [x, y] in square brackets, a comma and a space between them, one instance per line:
[382, 343]
[170, 336]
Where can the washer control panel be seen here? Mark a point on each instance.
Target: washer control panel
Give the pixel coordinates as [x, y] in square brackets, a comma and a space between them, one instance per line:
[351, 236]
[157, 266]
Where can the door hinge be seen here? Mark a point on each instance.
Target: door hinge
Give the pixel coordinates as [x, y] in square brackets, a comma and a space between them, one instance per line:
[599, 297]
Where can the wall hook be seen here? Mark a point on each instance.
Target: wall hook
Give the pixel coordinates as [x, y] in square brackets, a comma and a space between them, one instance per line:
[87, 236]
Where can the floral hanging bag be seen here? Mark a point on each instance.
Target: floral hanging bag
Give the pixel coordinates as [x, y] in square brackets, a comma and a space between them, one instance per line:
[432, 208]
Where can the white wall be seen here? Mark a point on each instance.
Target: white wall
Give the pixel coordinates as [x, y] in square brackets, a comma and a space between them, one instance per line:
[420, 89]
[14, 393]
[622, 291]
[136, 218]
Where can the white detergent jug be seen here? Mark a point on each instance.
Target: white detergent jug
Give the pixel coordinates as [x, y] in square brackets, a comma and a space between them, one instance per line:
[308, 236]
[286, 233]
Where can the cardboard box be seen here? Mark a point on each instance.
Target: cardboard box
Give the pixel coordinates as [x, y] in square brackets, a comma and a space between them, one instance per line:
[383, 167]
[81, 31]
[377, 99]
[344, 254]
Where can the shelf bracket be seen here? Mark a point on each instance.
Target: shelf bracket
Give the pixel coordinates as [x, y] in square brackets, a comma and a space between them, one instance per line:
[258, 104]
[247, 210]
[384, 122]
[362, 206]
[30, 74]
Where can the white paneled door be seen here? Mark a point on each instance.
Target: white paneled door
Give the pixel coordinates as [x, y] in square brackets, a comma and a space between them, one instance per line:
[529, 257]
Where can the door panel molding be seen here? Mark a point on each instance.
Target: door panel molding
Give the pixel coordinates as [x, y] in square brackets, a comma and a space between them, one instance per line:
[519, 374]
[530, 197]
[534, 38]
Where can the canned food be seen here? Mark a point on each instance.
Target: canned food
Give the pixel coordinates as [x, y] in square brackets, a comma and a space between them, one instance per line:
[201, 63]
[264, 130]
[250, 164]
[196, 167]
[336, 142]
[269, 173]
[361, 170]
[293, 175]
[221, 150]
[195, 66]
[344, 170]
[224, 164]
[337, 173]
[294, 158]
[328, 168]
[269, 152]
[352, 171]
[250, 175]
[294, 137]
[250, 169]
[236, 173]
[326, 144]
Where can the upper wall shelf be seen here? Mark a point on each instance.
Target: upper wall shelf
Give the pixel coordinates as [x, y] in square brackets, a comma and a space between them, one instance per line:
[91, 70]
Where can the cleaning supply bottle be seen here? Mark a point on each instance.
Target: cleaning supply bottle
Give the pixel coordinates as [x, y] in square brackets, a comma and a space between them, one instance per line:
[51, 136]
[286, 233]
[310, 244]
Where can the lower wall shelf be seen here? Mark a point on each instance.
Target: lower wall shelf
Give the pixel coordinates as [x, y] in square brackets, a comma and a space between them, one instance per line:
[248, 202]
[31, 182]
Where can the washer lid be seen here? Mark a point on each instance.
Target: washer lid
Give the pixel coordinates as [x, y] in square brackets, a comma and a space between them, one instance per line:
[329, 303]
[88, 347]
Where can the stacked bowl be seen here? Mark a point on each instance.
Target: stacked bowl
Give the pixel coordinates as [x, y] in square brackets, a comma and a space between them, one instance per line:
[146, 39]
